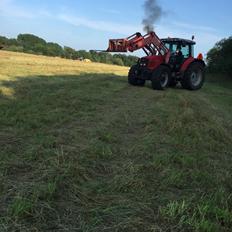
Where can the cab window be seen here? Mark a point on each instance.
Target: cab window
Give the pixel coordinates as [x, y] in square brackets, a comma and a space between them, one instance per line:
[172, 47]
[167, 45]
[185, 51]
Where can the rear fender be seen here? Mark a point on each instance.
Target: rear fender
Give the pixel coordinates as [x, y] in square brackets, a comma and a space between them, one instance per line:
[201, 62]
[186, 64]
[190, 61]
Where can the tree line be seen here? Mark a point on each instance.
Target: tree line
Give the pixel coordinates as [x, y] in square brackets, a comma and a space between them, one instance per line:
[32, 44]
[219, 58]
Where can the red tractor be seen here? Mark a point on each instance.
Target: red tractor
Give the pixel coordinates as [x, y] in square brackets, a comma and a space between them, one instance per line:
[167, 61]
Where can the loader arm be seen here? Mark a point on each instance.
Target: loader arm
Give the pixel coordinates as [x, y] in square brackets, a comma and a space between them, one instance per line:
[150, 43]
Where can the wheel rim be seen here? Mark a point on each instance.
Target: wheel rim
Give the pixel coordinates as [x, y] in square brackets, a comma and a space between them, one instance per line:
[164, 79]
[196, 78]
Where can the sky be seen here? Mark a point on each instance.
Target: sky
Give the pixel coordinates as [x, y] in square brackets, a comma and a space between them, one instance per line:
[89, 24]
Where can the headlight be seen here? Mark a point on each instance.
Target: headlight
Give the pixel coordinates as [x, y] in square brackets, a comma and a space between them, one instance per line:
[143, 62]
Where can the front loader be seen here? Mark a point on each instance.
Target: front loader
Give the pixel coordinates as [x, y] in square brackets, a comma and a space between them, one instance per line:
[167, 61]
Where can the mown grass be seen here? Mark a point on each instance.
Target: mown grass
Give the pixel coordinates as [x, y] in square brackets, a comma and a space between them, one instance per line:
[83, 151]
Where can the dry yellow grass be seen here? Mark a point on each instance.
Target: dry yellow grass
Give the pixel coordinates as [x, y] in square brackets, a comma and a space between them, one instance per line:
[13, 64]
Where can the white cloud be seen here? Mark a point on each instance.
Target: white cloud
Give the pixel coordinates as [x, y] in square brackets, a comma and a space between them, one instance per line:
[100, 25]
[4, 2]
[44, 13]
[193, 27]
[205, 36]
[8, 8]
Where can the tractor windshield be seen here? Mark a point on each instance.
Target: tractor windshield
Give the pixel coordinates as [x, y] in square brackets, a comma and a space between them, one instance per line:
[187, 50]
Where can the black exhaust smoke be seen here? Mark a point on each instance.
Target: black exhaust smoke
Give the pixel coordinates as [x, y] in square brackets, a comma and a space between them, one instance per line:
[153, 12]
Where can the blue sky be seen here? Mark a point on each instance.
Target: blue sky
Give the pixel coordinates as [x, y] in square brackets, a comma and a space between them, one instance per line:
[88, 24]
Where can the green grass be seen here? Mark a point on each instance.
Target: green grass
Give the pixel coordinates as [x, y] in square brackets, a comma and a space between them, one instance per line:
[88, 152]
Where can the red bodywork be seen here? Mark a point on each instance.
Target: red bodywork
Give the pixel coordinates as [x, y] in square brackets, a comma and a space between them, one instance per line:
[167, 62]
[155, 61]
[186, 64]
[156, 51]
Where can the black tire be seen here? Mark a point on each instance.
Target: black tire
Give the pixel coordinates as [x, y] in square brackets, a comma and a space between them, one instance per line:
[194, 77]
[161, 78]
[132, 77]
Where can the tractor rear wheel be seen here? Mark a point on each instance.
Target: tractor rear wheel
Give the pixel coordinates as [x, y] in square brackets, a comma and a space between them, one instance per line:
[194, 77]
[133, 78]
[161, 78]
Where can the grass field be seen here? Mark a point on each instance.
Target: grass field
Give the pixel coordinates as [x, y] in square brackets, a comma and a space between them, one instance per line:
[81, 150]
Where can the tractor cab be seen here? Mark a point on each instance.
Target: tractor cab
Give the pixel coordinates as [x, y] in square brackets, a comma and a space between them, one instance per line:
[185, 50]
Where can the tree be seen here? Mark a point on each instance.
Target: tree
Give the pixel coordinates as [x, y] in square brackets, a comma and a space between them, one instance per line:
[84, 54]
[14, 48]
[29, 42]
[95, 56]
[69, 53]
[219, 58]
[54, 49]
[33, 44]
[37, 48]
[3, 41]
[118, 61]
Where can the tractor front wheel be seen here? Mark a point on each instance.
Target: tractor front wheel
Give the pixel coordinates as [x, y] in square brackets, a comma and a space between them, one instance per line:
[133, 77]
[194, 77]
[161, 78]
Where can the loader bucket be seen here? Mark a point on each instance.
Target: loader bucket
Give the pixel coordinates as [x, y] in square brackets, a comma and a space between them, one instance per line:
[117, 45]
[123, 45]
